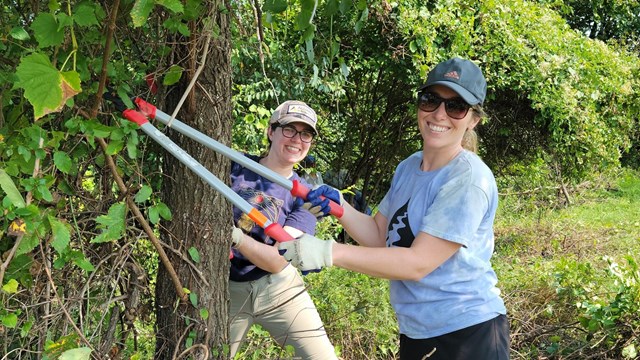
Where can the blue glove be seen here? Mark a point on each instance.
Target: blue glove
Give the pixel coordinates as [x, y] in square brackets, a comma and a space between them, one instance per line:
[317, 206]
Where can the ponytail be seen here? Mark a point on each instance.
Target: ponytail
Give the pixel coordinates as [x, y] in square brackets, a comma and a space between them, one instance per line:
[470, 138]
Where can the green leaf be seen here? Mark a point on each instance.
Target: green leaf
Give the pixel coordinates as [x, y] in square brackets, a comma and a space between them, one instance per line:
[84, 264]
[154, 214]
[140, 12]
[173, 75]
[307, 12]
[83, 353]
[173, 5]
[10, 320]
[114, 147]
[143, 194]
[9, 187]
[193, 297]
[62, 161]
[112, 224]
[195, 255]
[11, 287]
[44, 86]
[204, 314]
[46, 31]
[85, 15]
[26, 328]
[43, 191]
[275, 6]
[61, 236]
[19, 33]
[164, 211]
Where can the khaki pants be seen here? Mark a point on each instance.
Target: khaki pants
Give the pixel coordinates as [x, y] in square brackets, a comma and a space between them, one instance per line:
[282, 306]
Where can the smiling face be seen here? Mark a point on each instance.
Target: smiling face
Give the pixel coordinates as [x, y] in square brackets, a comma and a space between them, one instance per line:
[440, 132]
[288, 151]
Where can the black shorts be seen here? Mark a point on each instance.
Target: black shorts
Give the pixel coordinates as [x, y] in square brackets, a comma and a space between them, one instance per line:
[486, 341]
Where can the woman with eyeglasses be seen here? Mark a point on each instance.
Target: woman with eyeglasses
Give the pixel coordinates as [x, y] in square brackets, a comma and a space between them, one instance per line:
[264, 288]
[433, 233]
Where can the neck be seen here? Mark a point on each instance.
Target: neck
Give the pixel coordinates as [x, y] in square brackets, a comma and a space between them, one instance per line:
[270, 162]
[436, 159]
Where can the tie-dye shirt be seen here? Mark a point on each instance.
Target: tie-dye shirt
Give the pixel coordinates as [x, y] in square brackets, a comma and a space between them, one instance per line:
[274, 202]
[457, 203]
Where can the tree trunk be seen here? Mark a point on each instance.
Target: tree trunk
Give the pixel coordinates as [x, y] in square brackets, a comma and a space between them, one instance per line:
[201, 216]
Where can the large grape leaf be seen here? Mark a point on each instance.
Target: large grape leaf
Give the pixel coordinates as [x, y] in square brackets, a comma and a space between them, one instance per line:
[47, 30]
[46, 88]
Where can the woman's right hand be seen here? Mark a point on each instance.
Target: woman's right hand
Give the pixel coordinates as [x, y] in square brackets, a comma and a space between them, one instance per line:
[316, 204]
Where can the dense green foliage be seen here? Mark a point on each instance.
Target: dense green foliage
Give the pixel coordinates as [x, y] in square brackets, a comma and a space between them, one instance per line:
[563, 105]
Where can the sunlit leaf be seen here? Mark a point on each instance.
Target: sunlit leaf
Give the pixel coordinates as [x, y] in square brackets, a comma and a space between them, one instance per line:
[10, 320]
[9, 187]
[140, 12]
[11, 287]
[83, 353]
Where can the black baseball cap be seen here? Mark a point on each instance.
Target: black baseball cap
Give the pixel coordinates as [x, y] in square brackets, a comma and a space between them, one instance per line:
[462, 76]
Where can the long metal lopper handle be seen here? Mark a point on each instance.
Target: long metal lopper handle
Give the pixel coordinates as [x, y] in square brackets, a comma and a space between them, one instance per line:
[272, 229]
[294, 186]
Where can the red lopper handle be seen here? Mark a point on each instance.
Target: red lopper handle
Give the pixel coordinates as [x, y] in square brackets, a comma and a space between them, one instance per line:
[135, 116]
[276, 232]
[146, 107]
[301, 191]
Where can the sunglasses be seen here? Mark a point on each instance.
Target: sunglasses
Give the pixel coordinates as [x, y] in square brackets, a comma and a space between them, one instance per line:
[456, 108]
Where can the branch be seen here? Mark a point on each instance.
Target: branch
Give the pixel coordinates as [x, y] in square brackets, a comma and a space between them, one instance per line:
[112, 166]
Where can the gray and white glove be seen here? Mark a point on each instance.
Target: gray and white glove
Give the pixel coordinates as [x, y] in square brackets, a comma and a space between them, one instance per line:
[237, 236]
[308, 253]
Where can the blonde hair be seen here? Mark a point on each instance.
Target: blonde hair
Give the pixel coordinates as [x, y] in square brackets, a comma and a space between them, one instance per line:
[470, 138]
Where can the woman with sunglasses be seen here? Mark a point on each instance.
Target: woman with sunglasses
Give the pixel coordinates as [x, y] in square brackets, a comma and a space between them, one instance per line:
[433, 233]
[264, 288]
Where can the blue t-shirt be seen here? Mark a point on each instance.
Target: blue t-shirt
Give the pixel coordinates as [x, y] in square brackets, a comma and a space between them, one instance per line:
[457, 203]
[274, 202]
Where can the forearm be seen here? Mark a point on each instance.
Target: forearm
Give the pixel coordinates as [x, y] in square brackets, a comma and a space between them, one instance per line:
[362, 228]
[264, 256]
[397, 263]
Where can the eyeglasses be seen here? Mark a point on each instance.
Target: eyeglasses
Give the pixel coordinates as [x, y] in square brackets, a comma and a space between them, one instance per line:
[456, 108]
[290, 132]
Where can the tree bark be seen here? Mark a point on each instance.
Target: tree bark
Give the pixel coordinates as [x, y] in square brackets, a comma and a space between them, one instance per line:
[201, 216]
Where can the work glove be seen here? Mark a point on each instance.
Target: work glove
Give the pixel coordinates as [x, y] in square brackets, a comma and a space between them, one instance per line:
[237, 237]
[308, 253]
[317, 206]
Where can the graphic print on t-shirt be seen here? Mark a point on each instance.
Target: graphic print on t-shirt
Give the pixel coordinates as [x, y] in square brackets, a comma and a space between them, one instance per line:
[399, 232]
[266, 204]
